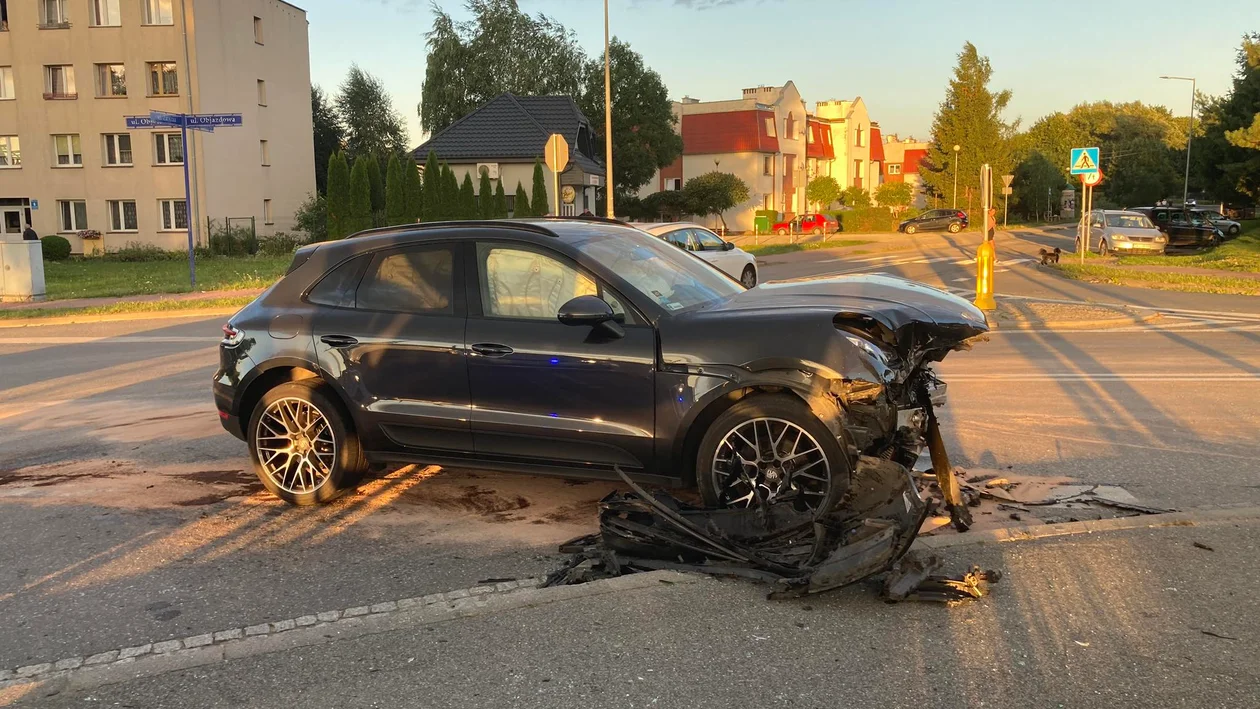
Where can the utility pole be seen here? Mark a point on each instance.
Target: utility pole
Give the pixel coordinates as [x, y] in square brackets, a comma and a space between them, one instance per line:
[956, 149]
[608, 165]
[1185, 189]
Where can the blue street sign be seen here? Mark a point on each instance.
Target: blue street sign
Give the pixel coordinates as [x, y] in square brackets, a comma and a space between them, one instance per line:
[162, 118]
[34, 205]
[215, 120]
[139, 122]
[1084, 161]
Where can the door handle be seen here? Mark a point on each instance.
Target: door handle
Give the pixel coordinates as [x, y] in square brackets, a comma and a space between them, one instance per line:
[489, 349]
[339, 340]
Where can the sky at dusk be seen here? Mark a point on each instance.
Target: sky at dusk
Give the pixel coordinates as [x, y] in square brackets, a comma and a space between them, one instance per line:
[897, 55]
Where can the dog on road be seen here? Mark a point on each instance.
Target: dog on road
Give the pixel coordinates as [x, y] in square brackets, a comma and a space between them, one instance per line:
[1049, 257]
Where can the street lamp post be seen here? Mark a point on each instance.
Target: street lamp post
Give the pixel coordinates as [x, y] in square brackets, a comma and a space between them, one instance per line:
[608, 165]
[1185, 190]
[956, 149]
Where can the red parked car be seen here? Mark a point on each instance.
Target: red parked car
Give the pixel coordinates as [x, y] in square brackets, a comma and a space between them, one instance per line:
[807, 224]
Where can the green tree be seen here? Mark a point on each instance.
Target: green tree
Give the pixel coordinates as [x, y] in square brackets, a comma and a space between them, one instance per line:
[329, 134]
[338, 196]
[485, 196]
[1036, 187]
[432, 189]
[538, 202]
[1227, 159]
[372, 126]
[520, 203]
[667, 204]
[822, 191]
[895, 195]
[714, 193]
[467, 199]
[360, 199]
[500, 201]
[395, 193]
[970, 117]
[453, 208]
[856, 197]
[378, 188]
[413, 189]
[500, 49]
[644, 134]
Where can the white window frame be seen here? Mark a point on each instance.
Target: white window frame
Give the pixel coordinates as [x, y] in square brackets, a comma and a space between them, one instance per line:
[61, 19]
[163, 156]
[7, 143]
[70, 90]
[114, 140]
[7, 91]
[74, 225]
[114, 208]
[267, 212]
[264, 151]
[153, 12]
[71, 154]
[262, 92]
[258, 30]
[150, 68]
[894, 168]
[110, 7]
[104, 81]
[166, 207]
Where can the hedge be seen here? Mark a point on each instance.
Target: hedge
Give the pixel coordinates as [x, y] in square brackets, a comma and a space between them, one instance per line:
[56, 248]
[864, 219]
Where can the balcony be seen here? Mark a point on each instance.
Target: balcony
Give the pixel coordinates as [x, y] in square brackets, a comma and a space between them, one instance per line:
[53, 96]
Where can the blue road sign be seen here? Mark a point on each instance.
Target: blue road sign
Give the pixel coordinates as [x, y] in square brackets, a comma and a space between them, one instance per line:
[162, 118]
[215, 120]
[1084, 161]
[139, 122]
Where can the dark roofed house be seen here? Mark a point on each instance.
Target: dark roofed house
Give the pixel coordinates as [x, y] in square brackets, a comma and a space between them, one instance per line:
[506, 135]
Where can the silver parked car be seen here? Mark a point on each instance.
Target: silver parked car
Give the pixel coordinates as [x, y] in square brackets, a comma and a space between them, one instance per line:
[1228, 226]
[722, 255]
[1120, 231]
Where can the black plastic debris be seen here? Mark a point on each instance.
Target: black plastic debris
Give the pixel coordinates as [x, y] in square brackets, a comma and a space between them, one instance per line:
[914, 578]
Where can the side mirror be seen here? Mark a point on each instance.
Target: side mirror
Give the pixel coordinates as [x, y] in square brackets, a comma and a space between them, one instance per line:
[727, 246]
[591, 311]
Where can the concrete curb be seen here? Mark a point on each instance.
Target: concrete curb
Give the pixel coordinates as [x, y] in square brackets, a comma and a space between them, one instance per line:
[1075, 324]
[7, 323]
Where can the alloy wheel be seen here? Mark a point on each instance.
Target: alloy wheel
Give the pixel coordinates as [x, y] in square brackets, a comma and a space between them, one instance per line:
[770, 460]
[295, 444]
[749, 278]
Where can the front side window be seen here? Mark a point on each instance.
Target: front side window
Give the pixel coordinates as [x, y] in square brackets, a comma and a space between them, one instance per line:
[6, 83]
[521, 283]
[672, 280]
[173, 214]
[163, 79]
[111, 80]
[73, 214]
[10, 151]
[158, 12]
[419, 280]
[122, 215]
[105, 13]
[168, 149]
[118, 149]
[708, 240]
[59, 82]
[69, 152]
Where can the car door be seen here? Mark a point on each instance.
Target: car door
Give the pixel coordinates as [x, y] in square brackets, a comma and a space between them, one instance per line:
[396, 347]
[712, 248]
[548, 393]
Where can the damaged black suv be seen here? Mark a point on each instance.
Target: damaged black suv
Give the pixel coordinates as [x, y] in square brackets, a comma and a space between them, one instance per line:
[574, 348]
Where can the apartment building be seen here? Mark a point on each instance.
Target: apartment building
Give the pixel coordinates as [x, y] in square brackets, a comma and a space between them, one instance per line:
[73, 71]
[902, 159]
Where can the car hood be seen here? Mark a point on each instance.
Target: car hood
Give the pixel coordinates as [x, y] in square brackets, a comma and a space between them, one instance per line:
[789, 318]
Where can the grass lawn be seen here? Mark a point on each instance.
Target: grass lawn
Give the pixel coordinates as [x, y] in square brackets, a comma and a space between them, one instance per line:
[129, 307]
[1239, 254]
[95, 278]
[772, 249]
[1188, 283]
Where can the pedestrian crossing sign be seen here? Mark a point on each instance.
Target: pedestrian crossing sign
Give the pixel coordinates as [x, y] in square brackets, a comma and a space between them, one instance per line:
[1084, 161]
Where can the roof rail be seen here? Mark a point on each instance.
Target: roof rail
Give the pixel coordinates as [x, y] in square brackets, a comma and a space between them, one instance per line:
[578, 217]
[426, 226]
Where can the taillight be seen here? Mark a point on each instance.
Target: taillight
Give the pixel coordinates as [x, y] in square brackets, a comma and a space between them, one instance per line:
[231, 336]
[961, 215]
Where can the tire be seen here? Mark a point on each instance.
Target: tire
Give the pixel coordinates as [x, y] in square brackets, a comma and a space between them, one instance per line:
[817, 231]
[955, 227]
[781, 232]
[1103, 248]
[772, 415]
[910, 229]
[1233, 231]
[748, 277]
[305, 483]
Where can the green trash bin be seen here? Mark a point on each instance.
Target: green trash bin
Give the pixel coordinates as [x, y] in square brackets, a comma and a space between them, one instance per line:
[761, 224]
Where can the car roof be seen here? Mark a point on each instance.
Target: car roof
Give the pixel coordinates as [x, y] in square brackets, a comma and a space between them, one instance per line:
[659, 229]
[1121, 211]
[564, 229]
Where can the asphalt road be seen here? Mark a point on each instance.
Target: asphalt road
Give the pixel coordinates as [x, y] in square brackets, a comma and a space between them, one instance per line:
[128, 516]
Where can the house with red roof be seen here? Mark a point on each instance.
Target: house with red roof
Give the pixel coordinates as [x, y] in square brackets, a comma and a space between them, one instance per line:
[902, 162]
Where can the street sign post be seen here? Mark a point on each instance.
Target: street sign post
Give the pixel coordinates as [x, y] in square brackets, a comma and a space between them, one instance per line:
[1006, 192]
[556, 154]
[206, 122]
[1084, 161]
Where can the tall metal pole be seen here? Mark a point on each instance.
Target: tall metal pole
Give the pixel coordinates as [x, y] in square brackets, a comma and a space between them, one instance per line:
[192, 262]
[608, 160]
[1185, 190]
[956, 149]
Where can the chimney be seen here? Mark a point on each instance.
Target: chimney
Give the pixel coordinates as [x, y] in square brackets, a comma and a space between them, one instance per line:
[689, 100]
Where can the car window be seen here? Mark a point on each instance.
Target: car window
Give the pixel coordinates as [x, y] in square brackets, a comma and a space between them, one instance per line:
[677, 237]
[672, 280]
[337, 287]
[708, 241]
[523, 283]
[417, 280]
[1129, 221]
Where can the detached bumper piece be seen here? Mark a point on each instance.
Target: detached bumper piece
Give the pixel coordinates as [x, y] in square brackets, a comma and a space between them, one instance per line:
[800, 554]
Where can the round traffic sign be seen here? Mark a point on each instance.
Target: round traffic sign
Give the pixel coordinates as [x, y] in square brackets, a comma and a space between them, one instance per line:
[1091, 178]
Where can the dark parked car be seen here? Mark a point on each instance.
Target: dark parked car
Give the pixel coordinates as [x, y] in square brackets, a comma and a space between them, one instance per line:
[951, 220]
[1185, 228]
[568, 347]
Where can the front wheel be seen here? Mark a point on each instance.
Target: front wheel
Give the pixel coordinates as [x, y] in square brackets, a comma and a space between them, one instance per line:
[955, 227]
[771, 448]
[910, 229]
[303, 444]
[1103, 248]
[749, 277]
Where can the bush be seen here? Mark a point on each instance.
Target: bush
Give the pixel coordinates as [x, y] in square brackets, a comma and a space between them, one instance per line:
[312, 218]
[864, 219]
[56, 248]
[280, 244]
[232, 241]
[134, 251]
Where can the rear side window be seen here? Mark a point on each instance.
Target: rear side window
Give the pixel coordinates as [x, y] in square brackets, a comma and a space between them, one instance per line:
[336, 288]
[419, 280]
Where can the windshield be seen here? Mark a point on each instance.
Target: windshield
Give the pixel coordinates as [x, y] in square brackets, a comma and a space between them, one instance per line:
[1129, 221]
[673, 278]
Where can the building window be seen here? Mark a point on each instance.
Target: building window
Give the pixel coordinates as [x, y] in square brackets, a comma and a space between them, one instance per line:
[811, 166]
[118, 149]
[673, 184]
[69, 152]
[111, 80]
[267, 212]
[767, 202]
[105, 13]
[122, 215]
[59, 82]
[767, 165]
[52, 14]
[264, 150]
[789, 127]
[262, 93]
[770, 128]
[860, 139]
[163, 79]
[158, 12]
[73, 214]
[168, 149]
[172, 214]
[258, 30]
[894, 168]
[10, 151]
[6, 83]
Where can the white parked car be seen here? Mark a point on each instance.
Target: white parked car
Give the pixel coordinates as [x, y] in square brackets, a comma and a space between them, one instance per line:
[723, 255]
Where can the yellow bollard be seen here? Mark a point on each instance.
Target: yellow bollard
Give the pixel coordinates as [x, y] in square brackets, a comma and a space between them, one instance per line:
[986, 255]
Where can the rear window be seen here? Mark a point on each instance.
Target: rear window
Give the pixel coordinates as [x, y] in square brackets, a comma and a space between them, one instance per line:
[418, 280]
[336, 288]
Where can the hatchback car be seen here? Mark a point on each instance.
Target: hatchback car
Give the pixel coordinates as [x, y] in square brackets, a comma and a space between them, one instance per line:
[951, 220]
[1228, 226]
[578, 348]
[1118, 231]
[711, 248]
[1184, 228]
[816, 224]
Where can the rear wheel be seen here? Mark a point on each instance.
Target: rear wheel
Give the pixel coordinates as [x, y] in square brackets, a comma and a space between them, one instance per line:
[1233, 230]
[771, 448]
[781, 232]
[955, 227]
[748, 277]
[910, 229]
[303, 444]
[818, 231]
